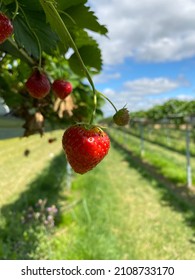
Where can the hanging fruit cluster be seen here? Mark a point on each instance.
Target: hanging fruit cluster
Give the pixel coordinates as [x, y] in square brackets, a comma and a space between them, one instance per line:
[85, 144]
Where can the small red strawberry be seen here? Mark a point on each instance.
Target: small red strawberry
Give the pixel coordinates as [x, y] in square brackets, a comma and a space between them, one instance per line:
[62, 88]
[38, 84]
[6, 27]
[121, 117]
[85, 147]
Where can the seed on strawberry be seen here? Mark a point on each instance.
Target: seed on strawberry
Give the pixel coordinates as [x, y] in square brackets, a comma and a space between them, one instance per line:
[38, 84]
[121, 117]
[6, 27]
[85, 147]
[62, 88]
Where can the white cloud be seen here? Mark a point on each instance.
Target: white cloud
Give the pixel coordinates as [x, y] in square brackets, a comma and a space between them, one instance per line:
[147, 30]
[146, 86]
[105, 77]
[142, 94]
[109, 92]
[137, 103]
[185, 97]
[167, 49]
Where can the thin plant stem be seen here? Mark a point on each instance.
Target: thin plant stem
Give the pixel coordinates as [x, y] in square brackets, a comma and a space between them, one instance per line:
[16, 10]
[50, 8]
[104, 96]
[73, 45]
[67, 15]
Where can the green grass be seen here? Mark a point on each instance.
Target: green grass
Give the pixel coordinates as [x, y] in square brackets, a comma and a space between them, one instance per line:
[25, 180]
[115, 211]
[17, 170]
[128, 216]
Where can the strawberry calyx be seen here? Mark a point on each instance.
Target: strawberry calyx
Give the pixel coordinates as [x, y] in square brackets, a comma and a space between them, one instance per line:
[92, 127]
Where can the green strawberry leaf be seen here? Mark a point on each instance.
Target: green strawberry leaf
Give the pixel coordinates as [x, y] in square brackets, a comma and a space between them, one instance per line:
[32, 5]
[27, 28]
[91, 56]
[24, 37]
[86, 19]
[56, 23]
[6, 2]
[48, 39]
[10, 47]
[82, 38]
[63, 5]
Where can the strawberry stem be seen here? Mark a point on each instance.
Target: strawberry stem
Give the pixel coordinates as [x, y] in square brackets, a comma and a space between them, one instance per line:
[51, 10]
[104, 96]
[16, 10]
[60, 28]
[68, 16]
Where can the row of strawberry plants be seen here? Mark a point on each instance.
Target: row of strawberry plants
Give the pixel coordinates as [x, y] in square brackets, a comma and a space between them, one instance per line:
[164, 130]
[164, 137]
[169, 163]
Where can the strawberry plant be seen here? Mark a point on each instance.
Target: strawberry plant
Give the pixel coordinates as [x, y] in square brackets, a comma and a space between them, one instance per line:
[44, 32]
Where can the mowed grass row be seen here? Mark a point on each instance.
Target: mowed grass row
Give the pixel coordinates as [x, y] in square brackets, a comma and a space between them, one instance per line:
[170, 163]
[112, 212]
[23, 159]
[124, 215]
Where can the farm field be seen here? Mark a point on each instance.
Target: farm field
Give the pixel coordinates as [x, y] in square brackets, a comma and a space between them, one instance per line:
[169, 163]
[170, 138]
[116, 211]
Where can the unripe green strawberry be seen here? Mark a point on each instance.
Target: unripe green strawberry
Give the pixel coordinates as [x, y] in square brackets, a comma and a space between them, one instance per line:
[121, 117]
[38, 84]
[6, 27]
[85, 147]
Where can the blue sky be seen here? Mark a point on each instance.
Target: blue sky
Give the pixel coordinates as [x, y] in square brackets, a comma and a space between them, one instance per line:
[150, 54]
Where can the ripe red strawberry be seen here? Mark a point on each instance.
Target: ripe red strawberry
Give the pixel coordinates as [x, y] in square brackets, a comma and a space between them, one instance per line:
[38, 84]
[6, 27]
[85, 147]
[62, 88]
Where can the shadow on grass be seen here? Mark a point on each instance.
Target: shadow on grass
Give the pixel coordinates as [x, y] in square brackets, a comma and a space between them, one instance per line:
[171, 195]
[23, 240]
